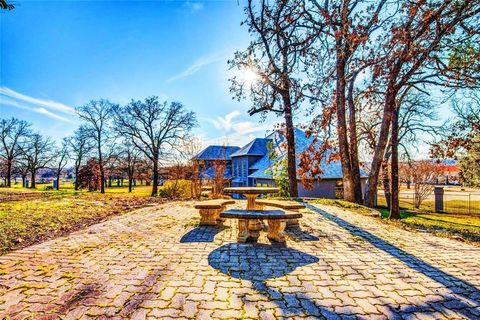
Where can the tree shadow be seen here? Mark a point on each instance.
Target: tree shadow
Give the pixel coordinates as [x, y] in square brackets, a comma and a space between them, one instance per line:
[202, 234]
[297, 233]
[458, 286]
[445, 307]
[258, 262]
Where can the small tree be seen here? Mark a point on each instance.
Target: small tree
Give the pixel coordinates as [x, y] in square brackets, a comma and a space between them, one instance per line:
[219, 167]
[278, 170]
[12, 133]
[129, 158]
[62, 155]
[37, 154]
[89, 176]
[97, 115]
[423, 174]
[80, 146]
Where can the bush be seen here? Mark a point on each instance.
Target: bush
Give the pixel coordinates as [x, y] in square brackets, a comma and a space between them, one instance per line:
[176, 189]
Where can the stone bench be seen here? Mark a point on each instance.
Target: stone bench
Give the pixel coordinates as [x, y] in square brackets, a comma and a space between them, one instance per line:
[276, 222]
[282, 204]
[210, 210]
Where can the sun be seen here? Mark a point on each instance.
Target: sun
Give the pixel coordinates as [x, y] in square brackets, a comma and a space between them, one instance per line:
[249, 76]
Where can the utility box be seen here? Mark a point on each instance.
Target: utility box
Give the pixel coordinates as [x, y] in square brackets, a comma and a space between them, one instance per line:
[438, 192]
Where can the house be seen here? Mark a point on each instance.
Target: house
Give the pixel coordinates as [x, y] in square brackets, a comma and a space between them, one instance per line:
[251, 165]
[450, 172]
[207, 159]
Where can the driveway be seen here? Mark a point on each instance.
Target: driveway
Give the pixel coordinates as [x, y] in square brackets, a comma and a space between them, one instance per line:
[156, 263]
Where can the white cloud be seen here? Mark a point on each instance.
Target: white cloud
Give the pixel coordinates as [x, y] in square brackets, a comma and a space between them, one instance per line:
[47, 104]
[237, 133]
[40, 110]
[245, 127]
[224, 123]
[230, 140]
[193, 7]
[198, 65]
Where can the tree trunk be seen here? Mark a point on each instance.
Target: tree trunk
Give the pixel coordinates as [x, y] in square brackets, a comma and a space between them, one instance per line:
[100, 164]
[348, 184]
[9, 173]
[130, 179]
[102, 178]
[24, 179]
[394, 202]
[386, 179]
[372, 184]
[33, 184]
[291, 154]
[77, 168]
[355, 164]
[155, 178]
[58, 180]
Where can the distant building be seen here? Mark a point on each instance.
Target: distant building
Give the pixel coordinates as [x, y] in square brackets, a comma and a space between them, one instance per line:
[251, 165]
[207, 159]
[450, 172]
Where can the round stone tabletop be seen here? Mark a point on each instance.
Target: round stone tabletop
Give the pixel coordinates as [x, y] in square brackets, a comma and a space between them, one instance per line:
[251, 190]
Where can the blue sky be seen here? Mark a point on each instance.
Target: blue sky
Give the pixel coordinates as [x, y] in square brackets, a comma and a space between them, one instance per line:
[57, 55]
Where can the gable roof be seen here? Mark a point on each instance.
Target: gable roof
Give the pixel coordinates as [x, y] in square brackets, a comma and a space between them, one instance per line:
[256, 147]
[331, 170]
[209, 173]
[216, 153]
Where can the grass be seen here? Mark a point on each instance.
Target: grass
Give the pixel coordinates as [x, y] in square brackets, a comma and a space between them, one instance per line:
[48, 214]
[464, 226]
[459, 225]
[346, 205]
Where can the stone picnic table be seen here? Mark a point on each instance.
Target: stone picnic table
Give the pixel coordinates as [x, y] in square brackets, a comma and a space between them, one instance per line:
[251, 193]
[276, 223]
[250, 219]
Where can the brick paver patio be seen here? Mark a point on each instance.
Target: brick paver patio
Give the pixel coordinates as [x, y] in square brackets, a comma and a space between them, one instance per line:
[155, 263]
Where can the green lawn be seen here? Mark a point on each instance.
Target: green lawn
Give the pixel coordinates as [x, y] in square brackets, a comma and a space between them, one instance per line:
[462, 225]
[30, 216]
[457, 203]
[465, 226]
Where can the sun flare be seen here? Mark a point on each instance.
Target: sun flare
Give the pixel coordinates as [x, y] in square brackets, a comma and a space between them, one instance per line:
[249, 76]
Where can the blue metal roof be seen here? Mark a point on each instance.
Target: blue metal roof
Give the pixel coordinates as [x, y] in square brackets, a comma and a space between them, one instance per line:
[209, 173]
[331, 170]
[256, 147]
[216, 153]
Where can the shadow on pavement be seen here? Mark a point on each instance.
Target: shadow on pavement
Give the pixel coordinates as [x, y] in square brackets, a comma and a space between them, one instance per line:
[202, 234]
[458, 286]
[259, 262]
[301, 234]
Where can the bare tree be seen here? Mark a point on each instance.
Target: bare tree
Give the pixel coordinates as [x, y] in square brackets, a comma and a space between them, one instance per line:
[424, 174]
[416, 118]
[413, 58]
[12, 132]
[80, 146]
[274, 57]
[344, 27]
[130, 156]
[37, 153]
[188, 149]
[97, 115]
[154, 128]
[61, 157]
